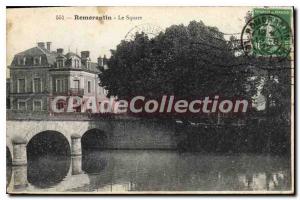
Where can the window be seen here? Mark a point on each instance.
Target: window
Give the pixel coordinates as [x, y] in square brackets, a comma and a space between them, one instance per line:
[89, 88]
[66, 85]
[22, 105]
[37, 105]
[61, 85]
[60, 63]
[76, 84]
[37, 85]
[37, 60]
[20, 61]
[76, 63]
[21, 85]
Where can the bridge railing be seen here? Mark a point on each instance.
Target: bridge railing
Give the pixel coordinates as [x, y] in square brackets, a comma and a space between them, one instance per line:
[45, 115]
[75, 116]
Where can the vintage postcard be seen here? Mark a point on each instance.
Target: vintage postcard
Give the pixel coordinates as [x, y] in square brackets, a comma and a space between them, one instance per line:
[150, 100]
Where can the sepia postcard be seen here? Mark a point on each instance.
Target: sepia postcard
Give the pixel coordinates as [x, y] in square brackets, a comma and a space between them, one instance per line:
[150, 100]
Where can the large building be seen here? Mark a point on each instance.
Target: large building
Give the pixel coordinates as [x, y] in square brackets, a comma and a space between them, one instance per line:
[38, 73]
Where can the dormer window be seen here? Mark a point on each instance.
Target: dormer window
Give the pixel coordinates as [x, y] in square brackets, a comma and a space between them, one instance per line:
[22, 60]
[88, 64]
[60, 63]
[76, 63]
[37, 60]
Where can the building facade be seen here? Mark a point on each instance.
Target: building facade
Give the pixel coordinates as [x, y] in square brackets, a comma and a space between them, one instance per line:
[38, 74]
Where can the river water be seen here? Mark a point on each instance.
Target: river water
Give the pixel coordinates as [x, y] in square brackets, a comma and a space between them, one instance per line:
[151, 170]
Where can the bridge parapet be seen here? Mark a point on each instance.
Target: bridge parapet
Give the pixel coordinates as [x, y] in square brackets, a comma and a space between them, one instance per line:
[48, 116]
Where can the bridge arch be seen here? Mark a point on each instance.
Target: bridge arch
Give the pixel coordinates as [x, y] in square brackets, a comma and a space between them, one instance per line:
[30, 151]
[48, 142]
[41, 127]
[52, 150]
[94, 138]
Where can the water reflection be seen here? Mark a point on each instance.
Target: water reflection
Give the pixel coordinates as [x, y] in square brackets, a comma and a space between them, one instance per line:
[154, 171]
[47, 171]
[94, 162]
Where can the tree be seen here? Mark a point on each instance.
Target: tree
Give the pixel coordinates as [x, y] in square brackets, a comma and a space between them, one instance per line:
[185, 61]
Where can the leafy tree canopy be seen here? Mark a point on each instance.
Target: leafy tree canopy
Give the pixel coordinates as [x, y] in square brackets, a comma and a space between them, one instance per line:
[185, 61]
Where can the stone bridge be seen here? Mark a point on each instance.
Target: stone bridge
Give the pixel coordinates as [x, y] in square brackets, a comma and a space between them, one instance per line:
[121, 132]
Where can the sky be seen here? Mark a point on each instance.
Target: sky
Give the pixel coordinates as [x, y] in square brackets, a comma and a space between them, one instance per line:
[27, 26]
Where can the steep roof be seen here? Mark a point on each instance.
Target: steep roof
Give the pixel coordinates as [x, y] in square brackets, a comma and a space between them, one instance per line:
[70, 54]
[51, 57]
[37, 51]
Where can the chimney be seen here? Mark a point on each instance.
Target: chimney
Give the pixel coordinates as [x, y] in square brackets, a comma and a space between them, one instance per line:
[100, 61]
[60, 51]
[41, 44]
[104, 60]
[85, 54]
[49, 46]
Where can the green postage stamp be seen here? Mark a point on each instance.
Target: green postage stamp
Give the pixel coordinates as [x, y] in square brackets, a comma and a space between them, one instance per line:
[268, 33]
